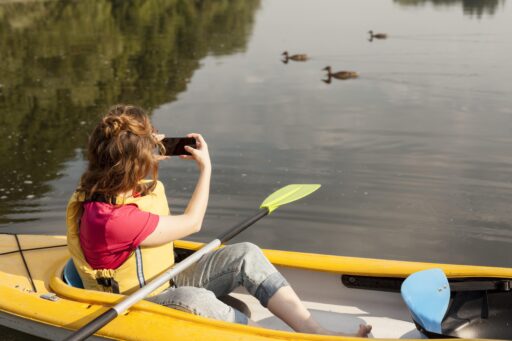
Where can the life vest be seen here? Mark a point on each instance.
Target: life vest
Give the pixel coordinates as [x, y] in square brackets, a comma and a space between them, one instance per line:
[144, 264]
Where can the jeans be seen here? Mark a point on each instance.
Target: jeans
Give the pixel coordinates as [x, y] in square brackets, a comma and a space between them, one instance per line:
[217, 274]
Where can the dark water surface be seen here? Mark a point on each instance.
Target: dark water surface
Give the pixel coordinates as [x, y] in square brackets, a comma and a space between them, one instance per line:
[414, 157]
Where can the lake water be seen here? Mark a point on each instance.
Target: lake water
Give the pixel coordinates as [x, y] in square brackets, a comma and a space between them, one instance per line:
[414, 156]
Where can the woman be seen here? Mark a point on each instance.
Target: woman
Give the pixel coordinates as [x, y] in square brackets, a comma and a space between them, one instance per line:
[120, 231]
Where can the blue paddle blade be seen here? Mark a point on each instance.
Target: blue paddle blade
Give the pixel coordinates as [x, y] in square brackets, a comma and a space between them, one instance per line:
[427, 294]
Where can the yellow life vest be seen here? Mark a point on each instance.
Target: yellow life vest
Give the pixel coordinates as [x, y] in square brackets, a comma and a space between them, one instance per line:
[144, 264]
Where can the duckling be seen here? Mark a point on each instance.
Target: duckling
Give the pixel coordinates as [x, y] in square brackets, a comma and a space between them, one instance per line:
[377, 35]
[294, 57]
[340, 74]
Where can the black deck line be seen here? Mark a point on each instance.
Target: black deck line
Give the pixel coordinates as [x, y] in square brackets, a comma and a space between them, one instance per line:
[33, 249]
[25, 263]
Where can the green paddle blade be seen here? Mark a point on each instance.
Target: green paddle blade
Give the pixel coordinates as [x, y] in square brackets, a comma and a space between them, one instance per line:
[287, 194]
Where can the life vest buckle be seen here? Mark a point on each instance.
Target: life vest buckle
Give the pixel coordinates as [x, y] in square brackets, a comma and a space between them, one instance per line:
[108, 283]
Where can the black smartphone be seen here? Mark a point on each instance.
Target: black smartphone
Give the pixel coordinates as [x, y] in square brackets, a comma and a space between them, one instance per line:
[176, 145]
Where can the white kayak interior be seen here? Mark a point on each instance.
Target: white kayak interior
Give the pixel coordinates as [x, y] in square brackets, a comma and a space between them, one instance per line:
[339, 308]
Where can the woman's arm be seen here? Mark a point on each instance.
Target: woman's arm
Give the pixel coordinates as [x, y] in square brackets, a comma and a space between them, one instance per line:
[174, 227]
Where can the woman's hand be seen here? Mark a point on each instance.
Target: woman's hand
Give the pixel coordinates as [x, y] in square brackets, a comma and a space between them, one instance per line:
[200, 153]
[172, 227]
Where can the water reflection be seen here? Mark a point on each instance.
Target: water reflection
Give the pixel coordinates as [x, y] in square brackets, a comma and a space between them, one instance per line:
[63, 62]
[475, 8]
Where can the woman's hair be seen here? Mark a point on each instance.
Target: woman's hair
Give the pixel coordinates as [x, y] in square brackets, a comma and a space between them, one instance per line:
[120, 154]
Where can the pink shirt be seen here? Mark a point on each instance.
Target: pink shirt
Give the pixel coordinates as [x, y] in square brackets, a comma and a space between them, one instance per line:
[109, 233]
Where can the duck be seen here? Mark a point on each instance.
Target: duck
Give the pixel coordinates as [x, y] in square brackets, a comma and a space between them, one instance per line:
[295, 57]
[340, 74]
[377, 35]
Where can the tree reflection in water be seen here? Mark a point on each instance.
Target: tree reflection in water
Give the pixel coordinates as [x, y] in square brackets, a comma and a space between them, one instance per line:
[64, 62]
[470, 7]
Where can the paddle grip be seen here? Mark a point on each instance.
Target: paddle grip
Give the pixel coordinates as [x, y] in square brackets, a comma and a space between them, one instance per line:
[243, 225]
[93, 326]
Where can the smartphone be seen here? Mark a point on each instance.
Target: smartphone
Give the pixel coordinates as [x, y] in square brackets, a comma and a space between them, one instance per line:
[176, 145]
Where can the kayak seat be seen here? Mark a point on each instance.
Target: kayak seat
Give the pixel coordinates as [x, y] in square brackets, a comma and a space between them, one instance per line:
[71, 276]
[427, 296]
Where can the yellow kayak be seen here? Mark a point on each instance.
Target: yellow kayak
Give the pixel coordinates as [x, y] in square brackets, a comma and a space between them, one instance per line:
[341, 292]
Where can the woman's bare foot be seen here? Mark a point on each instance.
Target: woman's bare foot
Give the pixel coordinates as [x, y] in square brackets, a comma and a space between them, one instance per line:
[364, 330]
[286, 305]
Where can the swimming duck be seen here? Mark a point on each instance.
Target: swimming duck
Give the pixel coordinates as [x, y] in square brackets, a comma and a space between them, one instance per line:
[294, 57]
[340, 74]
[377, 35]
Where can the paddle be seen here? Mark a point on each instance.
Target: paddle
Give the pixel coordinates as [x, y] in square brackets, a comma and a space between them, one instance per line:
[280, 197]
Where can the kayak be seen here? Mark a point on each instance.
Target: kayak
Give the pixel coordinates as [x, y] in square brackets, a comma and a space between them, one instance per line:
[341, 292]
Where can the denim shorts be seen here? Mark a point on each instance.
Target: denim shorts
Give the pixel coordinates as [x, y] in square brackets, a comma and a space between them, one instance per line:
[217, 274]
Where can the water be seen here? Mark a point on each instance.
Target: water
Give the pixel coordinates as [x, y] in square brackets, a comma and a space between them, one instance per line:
[12, 335]
[413, 157]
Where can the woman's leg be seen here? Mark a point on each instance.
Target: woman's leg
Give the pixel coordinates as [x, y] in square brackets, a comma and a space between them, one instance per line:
[244, 264]
[286, 305]
[214, 275]
[199, 301]
[235, 265]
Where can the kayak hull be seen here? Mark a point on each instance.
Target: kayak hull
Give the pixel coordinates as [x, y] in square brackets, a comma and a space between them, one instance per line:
[316, 278]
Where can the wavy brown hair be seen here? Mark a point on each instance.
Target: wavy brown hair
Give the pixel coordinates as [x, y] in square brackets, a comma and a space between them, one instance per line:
[120, 154]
